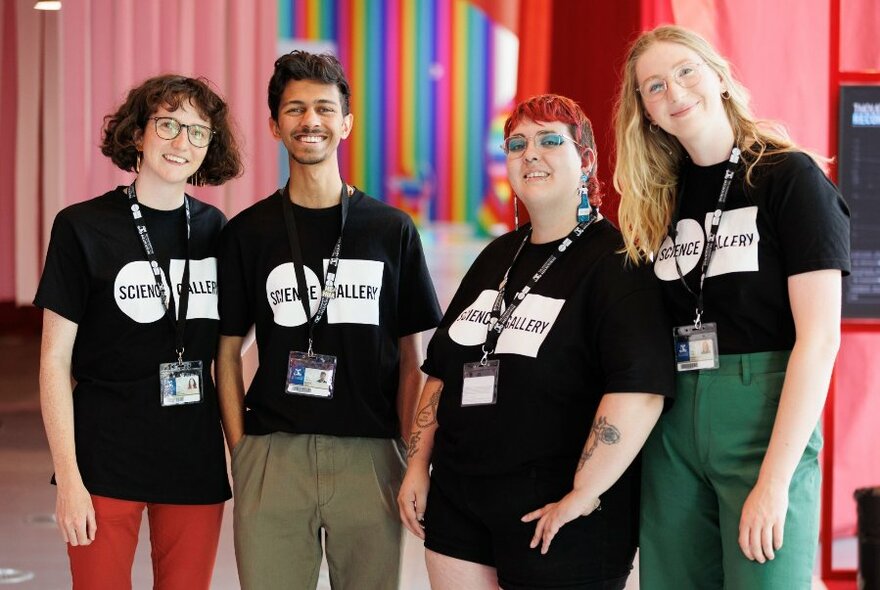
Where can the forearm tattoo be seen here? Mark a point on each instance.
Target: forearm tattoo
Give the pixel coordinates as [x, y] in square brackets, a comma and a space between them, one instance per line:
[601, 432]
[413, 446]
[426, 417]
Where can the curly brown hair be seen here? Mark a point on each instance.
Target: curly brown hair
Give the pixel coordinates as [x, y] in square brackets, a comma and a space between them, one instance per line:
[123, 129]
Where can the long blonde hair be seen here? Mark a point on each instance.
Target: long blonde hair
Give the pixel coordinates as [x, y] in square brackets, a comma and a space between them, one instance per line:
[648, 161]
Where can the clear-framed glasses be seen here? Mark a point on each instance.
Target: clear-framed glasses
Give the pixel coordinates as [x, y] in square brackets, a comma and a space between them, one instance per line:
[169, 128]
[515, 145]
[686, 75]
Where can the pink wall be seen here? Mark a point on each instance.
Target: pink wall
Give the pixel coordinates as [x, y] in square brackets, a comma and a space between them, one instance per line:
[8, 105]
[75, 66]
[860, 44]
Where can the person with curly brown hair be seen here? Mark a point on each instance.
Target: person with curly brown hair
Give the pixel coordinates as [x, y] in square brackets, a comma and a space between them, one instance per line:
[130, 328]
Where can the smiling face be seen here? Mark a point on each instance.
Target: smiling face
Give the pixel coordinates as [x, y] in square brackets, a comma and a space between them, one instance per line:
[690, 114]
[545, 178]
[171, 161]
[310, 122]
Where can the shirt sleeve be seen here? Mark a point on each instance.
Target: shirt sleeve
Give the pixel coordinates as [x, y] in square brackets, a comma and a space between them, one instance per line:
[812, 219]
[236, 305]
[64, 285]
[634, 334]
[418, 308]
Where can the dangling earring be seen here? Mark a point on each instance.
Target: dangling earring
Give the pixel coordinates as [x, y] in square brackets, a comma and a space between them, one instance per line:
[137, 164]
[725, 95]
[653, 127]
[583, 210]
[196, 179]
[515, 213]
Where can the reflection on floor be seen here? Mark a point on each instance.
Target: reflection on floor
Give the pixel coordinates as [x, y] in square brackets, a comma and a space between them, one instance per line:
[31, 550]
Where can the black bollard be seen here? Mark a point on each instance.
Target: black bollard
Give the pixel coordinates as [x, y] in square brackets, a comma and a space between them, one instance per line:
[868, 510]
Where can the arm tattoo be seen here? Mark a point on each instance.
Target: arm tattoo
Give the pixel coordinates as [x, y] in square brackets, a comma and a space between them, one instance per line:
[601, 432]
[426, 417]
[413, 447]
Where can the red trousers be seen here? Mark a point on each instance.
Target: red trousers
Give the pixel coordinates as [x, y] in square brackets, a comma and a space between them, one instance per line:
[184, 542]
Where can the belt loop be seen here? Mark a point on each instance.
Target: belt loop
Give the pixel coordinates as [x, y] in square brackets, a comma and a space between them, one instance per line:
[746, 369]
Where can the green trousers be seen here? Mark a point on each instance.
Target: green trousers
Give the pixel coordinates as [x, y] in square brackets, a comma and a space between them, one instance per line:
[700, 463]
[289, 488]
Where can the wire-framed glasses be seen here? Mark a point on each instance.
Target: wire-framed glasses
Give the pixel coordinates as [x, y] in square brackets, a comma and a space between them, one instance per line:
[169, 128]
[686, 75]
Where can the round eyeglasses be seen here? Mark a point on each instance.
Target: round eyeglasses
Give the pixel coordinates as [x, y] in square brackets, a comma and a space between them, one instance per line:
[686, 75]
[169, 128]
[515, 145]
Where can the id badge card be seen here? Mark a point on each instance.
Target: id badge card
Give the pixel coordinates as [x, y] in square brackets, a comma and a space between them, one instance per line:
[696, 348]
[180, 383]
[310, 375]
[480, 384]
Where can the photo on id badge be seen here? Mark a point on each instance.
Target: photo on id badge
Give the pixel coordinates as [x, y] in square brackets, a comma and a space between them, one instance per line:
[316, 378]
[311, 375]
[180, 383]
[696, 348]
[186, 384]
[702, 350]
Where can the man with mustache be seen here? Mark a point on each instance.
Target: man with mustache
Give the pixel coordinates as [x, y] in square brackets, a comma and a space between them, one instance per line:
[319, 463]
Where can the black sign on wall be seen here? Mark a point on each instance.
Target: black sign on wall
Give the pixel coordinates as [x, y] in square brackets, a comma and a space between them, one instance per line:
[859, 180]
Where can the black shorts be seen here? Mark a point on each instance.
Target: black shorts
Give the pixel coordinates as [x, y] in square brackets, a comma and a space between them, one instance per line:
[477, 519]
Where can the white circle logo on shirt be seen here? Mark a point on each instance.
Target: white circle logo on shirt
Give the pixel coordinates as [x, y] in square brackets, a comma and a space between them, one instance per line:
[137, 294]
[281, 293]
[471, 326]
[687, 249]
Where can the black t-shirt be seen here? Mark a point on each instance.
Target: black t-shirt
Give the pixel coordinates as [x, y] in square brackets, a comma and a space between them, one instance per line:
[383, 292]
[127, 445]
[792, 221]
[592, 325]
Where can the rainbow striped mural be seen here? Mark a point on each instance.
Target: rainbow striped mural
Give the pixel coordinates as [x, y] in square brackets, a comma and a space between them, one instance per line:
[422, 75]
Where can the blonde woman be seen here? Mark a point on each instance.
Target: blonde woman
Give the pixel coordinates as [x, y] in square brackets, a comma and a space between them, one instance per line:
[750, 240]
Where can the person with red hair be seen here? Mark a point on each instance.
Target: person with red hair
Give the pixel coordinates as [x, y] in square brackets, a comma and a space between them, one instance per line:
[545, 377]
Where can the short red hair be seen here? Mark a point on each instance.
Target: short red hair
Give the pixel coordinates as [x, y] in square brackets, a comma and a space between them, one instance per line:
[548, 108]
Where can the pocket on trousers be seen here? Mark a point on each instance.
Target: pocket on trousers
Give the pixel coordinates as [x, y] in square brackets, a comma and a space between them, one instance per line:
[236, 450]
[400, 451]
[388, 470]
[770, 385]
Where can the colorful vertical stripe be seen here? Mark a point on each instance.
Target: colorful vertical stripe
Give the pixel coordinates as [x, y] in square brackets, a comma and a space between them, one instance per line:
[314, 20]
[421, 73]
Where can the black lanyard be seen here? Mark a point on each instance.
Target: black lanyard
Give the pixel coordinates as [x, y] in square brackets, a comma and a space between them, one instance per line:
[710, 237]
[328, 292]
[498, 320]
[140, 226]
